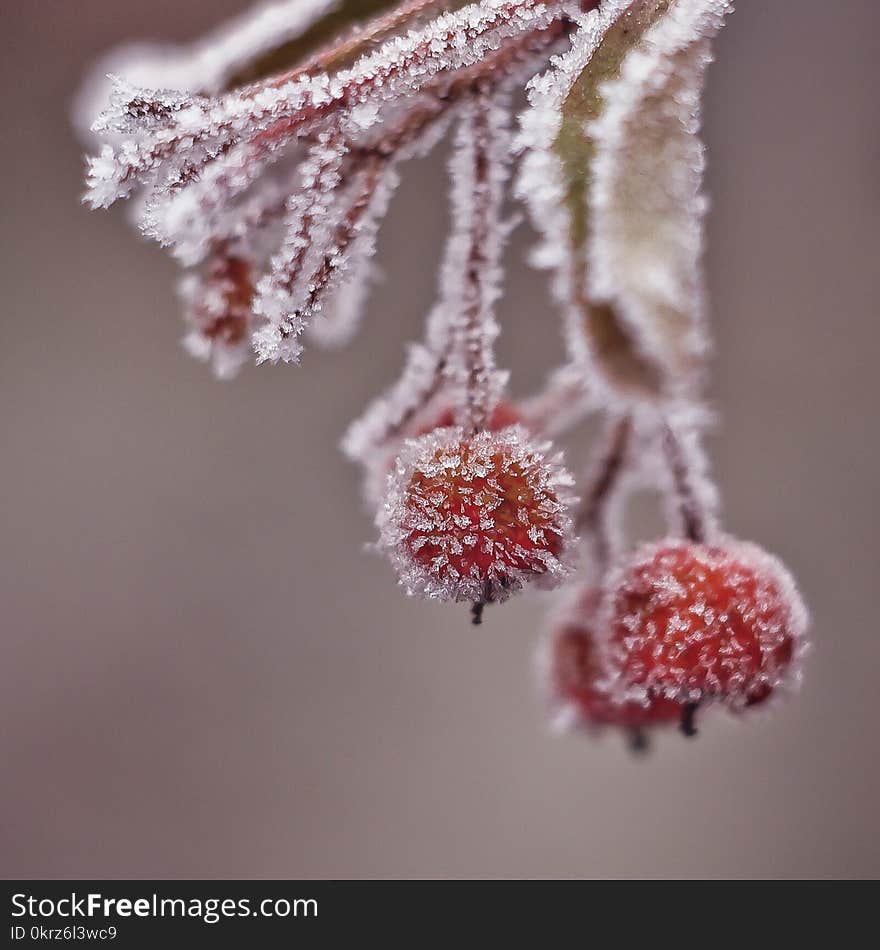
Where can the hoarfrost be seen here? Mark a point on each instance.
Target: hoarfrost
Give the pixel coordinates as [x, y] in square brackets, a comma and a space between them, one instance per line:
[474, 518]
[741, 653]
[647, 206]
[205, 66]
[631, 293]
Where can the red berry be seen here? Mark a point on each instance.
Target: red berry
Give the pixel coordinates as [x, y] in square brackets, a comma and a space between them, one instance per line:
[576, 678]
[428, 420]
[692, 622]
[503, 415]
[474, 517]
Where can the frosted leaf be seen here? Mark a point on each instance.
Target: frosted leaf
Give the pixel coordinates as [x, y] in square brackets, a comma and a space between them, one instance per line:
[585, 159]
[258, 122]
[207, 66]
[474, 518]
[646, 243]
[555, 166]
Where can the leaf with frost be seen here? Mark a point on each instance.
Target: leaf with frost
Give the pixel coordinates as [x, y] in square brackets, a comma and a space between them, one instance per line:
[270, 38]
[612, 174]
[210, 151]
[341, 18]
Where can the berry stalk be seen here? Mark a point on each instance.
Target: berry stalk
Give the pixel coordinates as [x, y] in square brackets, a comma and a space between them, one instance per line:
[479, 171]
[593, 517]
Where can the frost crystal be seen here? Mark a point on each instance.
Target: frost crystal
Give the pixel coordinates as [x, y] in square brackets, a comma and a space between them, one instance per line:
[208, 65]
[471, 275]
[474, 518]
[722, 620]
[219, 312]
[625, 247]
[456, 357]
[646, 244]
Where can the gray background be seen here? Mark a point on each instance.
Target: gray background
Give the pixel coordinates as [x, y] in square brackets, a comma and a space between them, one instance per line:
[204, 674]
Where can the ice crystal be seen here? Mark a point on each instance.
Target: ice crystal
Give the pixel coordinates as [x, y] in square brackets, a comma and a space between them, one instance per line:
[206, 66]
[647, 207]
[722, 620]
[219, 312]
[456, 357]
[473, 518]
[612, 174]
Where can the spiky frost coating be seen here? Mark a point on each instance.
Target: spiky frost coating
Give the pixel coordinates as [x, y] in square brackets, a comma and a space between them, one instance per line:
[540, 183]
[645, 177]
[695, 622]
[438, 414]
[571, 676]
[205, 65]
[646, 195]
[218, 313]
[475, 518]
[263, 119]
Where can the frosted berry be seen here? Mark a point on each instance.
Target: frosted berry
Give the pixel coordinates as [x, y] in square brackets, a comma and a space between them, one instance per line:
[693, 622]
[503, 415]
[575, 679]
[472, 518]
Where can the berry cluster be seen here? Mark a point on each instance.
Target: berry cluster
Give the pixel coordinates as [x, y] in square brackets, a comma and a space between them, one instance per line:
[473, 518]
[267, 170]
[675, 626]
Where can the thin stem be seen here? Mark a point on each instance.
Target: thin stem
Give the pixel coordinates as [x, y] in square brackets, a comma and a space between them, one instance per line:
[694, 517]
[592, 518]
[379, 75]
[638, 741]
[475, 346]
[562, 403]
[272, 69]
[688, 724]
[429, 392]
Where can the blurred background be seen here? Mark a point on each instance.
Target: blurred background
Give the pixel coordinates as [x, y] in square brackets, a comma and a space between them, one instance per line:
[203, 672]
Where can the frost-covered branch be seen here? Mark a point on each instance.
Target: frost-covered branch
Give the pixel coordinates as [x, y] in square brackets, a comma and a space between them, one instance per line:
[471, 277]
[267, 170]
